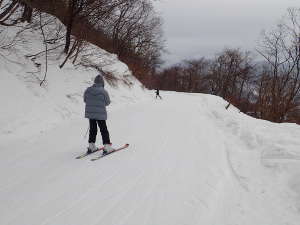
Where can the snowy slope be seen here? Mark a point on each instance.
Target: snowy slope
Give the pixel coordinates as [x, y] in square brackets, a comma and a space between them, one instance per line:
[190, 162]
[27, 108]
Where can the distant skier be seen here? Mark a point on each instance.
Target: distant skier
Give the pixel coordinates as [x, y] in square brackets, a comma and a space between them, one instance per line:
[157, 94]
[96, 99]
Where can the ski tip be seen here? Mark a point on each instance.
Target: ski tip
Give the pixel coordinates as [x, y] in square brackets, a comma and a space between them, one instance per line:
[126, 144]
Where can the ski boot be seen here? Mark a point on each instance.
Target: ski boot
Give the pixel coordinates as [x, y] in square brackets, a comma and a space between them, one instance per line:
[92, 147]
[107, 149]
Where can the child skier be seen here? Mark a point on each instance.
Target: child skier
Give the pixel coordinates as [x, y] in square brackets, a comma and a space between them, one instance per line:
[96, 99]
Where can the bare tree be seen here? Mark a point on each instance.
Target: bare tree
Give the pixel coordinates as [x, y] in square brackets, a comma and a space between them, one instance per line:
[280, 82]
[128, 28]
[230, 73]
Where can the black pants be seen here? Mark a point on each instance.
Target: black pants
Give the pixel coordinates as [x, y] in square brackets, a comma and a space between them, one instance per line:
[103, 130]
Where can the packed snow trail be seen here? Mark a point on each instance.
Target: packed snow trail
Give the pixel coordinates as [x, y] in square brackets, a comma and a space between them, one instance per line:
[189, 162]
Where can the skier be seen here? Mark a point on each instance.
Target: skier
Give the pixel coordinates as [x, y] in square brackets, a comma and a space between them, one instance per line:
[96, 99]
[157, 94]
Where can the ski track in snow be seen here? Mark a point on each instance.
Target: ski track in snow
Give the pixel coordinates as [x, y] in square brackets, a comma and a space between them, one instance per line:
[189, 162]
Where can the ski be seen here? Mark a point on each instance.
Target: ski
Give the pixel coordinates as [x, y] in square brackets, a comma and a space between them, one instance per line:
[86, 154]
[116, 150]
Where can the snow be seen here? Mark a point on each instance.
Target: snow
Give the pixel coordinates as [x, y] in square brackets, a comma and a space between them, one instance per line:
[190, 161]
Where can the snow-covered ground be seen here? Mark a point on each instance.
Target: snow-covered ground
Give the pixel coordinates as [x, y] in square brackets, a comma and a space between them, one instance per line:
[27, 108]
[190, 160]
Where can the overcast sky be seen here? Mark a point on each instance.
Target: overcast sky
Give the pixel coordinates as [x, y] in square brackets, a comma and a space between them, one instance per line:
[195, 28]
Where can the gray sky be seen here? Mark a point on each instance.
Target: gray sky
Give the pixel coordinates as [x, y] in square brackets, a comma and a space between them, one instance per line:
[195, 28]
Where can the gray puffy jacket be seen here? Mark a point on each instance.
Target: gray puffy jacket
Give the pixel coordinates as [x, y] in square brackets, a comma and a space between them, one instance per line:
[96, 99]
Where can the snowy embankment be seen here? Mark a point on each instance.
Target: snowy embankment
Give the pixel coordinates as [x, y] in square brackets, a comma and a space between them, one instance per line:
[27, 108]
[190, 161]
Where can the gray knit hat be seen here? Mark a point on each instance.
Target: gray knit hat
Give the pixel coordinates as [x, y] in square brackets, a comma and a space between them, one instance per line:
[99, 80]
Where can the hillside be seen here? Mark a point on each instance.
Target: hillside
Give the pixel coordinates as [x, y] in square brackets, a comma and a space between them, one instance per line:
[190, 160]
[30, 108]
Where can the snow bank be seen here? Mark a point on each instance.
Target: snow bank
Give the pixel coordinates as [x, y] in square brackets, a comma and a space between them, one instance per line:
[28, 108]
